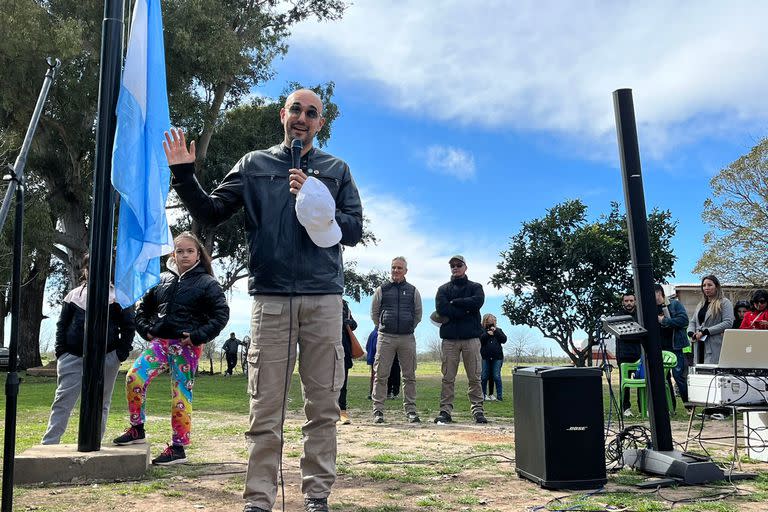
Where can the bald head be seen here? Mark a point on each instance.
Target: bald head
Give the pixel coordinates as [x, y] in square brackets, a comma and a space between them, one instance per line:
[305, 96]
[302, 117]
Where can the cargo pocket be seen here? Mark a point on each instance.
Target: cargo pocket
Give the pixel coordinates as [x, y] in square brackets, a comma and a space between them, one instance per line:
[253, 372]
[338, 369]
[270, 324]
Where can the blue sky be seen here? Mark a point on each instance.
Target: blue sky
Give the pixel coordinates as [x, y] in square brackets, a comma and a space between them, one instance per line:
[459, 123]
[460, 120]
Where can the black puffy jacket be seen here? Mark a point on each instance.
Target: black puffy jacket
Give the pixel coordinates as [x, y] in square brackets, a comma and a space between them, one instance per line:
[70, 328]
[283, 259]
[490, 344]
[193, 302]
[460, 300]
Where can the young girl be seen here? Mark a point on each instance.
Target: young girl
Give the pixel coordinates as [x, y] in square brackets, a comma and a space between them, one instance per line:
[184, 311]
[70, 330]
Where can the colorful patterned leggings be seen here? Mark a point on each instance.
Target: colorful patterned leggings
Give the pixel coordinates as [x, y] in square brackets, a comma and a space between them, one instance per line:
[161, 355]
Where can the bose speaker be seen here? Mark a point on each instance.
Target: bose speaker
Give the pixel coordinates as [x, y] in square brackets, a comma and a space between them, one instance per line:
[559, 441]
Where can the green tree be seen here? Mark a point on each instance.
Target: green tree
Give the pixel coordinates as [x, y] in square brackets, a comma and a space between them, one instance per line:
[243, 129]
[216, 52]
[565, 272]
[736, 244]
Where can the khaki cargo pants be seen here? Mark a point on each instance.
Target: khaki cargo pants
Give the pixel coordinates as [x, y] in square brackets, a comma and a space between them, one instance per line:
[469, 352]
[387, 346]
[314, 323]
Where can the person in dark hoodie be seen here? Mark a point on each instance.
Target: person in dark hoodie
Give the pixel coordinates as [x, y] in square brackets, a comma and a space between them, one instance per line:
[70, 331]
[184, 311]
[460, 301]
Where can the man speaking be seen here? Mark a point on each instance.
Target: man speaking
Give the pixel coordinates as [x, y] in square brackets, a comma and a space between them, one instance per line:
[296, 280]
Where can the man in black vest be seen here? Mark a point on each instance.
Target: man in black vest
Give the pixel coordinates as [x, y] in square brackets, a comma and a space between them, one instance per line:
[396, 311]
[460, 301]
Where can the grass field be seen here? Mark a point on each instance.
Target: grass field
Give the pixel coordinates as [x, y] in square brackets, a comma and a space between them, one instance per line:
[217, 394]
[394, 467]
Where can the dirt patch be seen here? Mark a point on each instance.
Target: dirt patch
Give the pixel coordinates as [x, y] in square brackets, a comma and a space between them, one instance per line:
[382, 468]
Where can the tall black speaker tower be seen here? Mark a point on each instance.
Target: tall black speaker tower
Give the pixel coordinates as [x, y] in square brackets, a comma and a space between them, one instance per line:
[559, 439]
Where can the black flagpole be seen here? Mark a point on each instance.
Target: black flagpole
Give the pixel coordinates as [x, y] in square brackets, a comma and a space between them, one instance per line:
[16, 187]
[102, 226]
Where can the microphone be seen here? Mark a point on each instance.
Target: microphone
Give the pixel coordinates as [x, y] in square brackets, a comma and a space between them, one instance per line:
[296, 147]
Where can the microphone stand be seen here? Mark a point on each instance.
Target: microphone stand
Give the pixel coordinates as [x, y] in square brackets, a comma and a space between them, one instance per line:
[16, 187]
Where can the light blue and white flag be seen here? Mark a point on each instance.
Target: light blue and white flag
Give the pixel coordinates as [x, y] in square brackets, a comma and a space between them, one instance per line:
[140, 170]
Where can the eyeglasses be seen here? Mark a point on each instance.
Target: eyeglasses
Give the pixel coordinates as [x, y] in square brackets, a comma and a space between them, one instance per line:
[311, 112]
[456, 265]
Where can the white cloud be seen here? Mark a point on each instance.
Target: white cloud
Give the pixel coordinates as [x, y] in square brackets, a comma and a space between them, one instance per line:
[401, 231]
[695, 67]
[451, 161]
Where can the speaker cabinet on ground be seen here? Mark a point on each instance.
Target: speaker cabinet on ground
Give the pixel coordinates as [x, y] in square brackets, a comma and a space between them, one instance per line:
[559, 439]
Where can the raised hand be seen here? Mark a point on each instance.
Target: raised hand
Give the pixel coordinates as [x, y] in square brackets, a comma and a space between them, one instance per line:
[175, 146]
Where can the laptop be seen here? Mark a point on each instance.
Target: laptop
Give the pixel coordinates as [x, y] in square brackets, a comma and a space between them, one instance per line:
[742, 348]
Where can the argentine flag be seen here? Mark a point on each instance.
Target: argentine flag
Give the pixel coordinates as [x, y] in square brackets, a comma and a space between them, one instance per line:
[140, 170]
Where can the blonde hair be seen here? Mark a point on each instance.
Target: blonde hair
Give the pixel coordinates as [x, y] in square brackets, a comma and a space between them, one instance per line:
[716, 304]
[486, 318]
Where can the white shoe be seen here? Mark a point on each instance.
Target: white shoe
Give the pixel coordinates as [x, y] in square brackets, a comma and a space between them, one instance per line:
[628, 413]
[491, 398]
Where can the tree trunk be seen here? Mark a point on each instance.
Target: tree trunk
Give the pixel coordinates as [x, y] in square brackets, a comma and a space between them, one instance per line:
[32, 298]
[73, 222]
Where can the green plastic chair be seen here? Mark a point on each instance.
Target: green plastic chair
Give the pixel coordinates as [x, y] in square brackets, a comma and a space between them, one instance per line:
[669, 359]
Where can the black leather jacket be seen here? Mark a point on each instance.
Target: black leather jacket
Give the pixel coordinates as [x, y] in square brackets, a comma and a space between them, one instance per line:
[193, 302]
[283, 259]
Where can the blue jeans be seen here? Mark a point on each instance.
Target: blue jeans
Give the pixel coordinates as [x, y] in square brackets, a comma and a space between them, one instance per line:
[492, 369]
[678, 373]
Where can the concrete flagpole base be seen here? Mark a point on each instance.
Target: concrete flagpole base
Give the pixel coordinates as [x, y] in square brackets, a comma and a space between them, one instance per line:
[62, 463]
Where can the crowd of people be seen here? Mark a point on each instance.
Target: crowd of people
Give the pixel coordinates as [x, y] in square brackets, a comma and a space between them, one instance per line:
[713, 314]
[298, 214]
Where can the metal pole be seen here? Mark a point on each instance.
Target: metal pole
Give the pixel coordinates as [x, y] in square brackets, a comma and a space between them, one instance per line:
[12, 381]
[16, 187]
[21, 159]
[637, 224]
[102, 227]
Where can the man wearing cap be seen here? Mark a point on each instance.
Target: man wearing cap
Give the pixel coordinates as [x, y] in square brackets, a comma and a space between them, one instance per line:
[296, 280]
[458, 302]
[396, 311]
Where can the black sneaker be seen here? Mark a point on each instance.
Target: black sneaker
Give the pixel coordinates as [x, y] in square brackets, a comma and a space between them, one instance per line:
[480, 417]
[378, 417]
[173, 454]
[443, 418]
[315, 504]
[132, 435]
[413, 417]
[254, 508]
